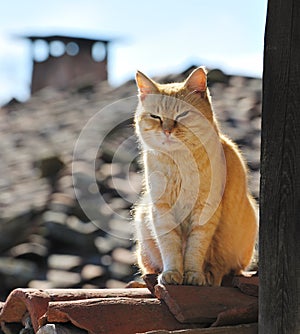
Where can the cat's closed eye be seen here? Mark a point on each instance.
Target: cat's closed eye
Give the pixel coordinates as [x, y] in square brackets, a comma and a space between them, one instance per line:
[183, 114]
[155, 116]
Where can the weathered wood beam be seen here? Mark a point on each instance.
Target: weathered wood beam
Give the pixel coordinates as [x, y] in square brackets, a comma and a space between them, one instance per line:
[279, 306]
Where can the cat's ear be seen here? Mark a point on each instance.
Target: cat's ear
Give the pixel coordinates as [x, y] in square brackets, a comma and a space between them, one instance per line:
[145, 85]
[197, 81]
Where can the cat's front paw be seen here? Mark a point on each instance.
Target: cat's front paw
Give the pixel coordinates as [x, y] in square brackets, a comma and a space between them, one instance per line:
[194, 278]
[170, 277]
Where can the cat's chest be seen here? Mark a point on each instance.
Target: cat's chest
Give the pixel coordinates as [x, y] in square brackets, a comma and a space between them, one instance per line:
[175, 182]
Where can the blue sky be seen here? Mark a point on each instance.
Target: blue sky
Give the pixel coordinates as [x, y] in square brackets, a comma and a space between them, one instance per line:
[157, 37]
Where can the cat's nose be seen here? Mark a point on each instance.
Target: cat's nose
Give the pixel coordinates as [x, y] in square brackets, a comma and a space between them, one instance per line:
[168, 126]
[167, 132]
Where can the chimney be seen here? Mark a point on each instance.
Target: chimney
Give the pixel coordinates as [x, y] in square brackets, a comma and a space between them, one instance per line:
[63, 61]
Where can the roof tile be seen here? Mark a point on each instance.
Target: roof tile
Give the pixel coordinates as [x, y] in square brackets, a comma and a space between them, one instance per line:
[191, 304]
[36, 301]
[114, 315]
[240, 329]
[248, 285]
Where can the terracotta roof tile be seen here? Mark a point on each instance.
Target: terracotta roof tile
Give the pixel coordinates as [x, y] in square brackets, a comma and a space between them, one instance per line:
[114, 315]
[248, 285]
[191, 304]
[133, 310]
[240, 329]
[36, 301]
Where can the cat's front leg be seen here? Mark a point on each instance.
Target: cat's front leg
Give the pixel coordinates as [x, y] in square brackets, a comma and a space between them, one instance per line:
[198, 242]
[170, 245]
[171, 252]
[194, 258]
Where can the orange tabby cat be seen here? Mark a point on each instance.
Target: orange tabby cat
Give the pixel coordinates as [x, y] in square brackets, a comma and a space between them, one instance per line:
[196, 220]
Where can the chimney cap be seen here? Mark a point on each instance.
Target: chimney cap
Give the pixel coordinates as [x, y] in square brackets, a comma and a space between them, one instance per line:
[66, 38]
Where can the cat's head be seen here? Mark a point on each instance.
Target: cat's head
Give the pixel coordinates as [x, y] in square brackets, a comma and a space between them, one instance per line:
[172, 116]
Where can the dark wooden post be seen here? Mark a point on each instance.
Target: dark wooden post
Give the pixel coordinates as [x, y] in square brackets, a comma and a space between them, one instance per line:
[279, 301]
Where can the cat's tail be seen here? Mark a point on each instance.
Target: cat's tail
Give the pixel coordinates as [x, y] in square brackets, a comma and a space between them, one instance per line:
[254, 263]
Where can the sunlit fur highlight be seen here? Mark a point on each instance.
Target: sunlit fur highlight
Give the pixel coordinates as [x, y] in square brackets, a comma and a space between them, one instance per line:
[171, 241]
